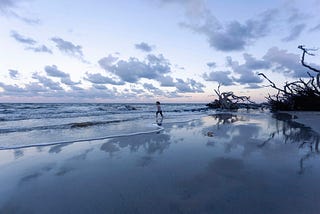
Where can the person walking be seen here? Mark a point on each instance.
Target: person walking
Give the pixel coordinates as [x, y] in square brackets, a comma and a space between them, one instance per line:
[159, 110]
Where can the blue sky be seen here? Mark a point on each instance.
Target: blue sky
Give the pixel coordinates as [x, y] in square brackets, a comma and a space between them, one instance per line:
[147, 50]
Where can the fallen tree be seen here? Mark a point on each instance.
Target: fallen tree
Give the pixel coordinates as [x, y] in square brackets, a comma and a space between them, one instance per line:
[228, 100]
[301, 95]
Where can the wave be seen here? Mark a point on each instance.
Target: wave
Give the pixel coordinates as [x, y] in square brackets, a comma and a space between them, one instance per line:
[158, 128]
[66, 126]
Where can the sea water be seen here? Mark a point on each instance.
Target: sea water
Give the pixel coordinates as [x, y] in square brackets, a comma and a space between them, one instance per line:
[30, 124]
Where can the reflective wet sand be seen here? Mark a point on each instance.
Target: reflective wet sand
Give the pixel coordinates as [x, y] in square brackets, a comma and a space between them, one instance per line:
[223, 163]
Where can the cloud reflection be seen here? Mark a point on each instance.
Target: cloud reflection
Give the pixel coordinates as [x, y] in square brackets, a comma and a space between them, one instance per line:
[151, 143]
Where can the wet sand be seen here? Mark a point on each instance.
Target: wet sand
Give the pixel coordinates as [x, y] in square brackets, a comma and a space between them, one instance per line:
[225, 163]
[308, 118]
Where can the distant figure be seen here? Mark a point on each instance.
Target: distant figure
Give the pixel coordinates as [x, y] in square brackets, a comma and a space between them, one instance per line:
[158, 109]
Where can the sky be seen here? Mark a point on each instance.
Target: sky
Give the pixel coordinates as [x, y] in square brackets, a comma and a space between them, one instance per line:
[140, 51]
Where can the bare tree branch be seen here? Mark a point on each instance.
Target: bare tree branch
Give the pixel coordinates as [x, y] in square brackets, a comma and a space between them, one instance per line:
[304, 52]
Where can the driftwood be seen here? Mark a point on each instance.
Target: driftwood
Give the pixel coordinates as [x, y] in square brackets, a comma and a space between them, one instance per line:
[228, 100]
[300, 94]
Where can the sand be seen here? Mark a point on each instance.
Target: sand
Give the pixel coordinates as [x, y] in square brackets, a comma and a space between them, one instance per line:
[308, 118]
[249, 163]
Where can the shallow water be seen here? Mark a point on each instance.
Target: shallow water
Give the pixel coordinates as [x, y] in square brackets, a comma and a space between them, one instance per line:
[223, 163]
[30, 124]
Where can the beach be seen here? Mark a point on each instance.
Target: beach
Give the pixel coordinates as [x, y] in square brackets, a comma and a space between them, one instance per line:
[308, 118]
[207, 162]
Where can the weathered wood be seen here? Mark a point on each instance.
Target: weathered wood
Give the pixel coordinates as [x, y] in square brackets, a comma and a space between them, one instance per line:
[300, 94]
[228, 100]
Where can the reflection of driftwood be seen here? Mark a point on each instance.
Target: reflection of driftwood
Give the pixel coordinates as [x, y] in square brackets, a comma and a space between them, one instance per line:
[311, 153]
[266, 141]
[226, 118]
[305, 157]
[300, 94]
[295, 133]
[223, 119]
[228, 100]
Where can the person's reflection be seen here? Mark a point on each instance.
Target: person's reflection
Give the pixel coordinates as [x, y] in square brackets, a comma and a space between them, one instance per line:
[159, 121]
[18, 153]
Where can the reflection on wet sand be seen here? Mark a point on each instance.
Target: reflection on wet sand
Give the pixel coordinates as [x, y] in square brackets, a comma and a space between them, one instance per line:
[18, 153]
[251, 136]
[227, 118]
[145, 161]
[58, 148]
[248, 165]
[299, 134]
[151, 143]
[110, 148]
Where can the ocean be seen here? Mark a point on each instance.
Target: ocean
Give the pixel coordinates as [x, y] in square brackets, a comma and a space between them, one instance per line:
[39, 124]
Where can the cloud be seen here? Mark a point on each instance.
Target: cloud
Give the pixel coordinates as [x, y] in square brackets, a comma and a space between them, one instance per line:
[286, 63]
[295, 32]
[69, 48]
[22, 39]
[10, 7]
[276, 60]
[296, 22]
[233, 36]
[254, 64]
[40, 49]
[13, 73]
[149, 86]
[6, 5]
[252, 86]
[211, 64]
[107, 62]
[99, 79]
[222, 77]
[144, 47]
[68, 81]
[315, 28]
[194, 8]
[34, 88]
[246, 70]
[166, 81]
[46, 82]
[153, 67]
[46, 89]
[31, 43]
[294, 14]
[249, 78]
[236, 36]
[53, 71]
[29, 90]
[132, 70]
[76, 88]
[99, 87]
[243, 74]
[138, 91]
[9, 89]
[154, 90]
[189, 86]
